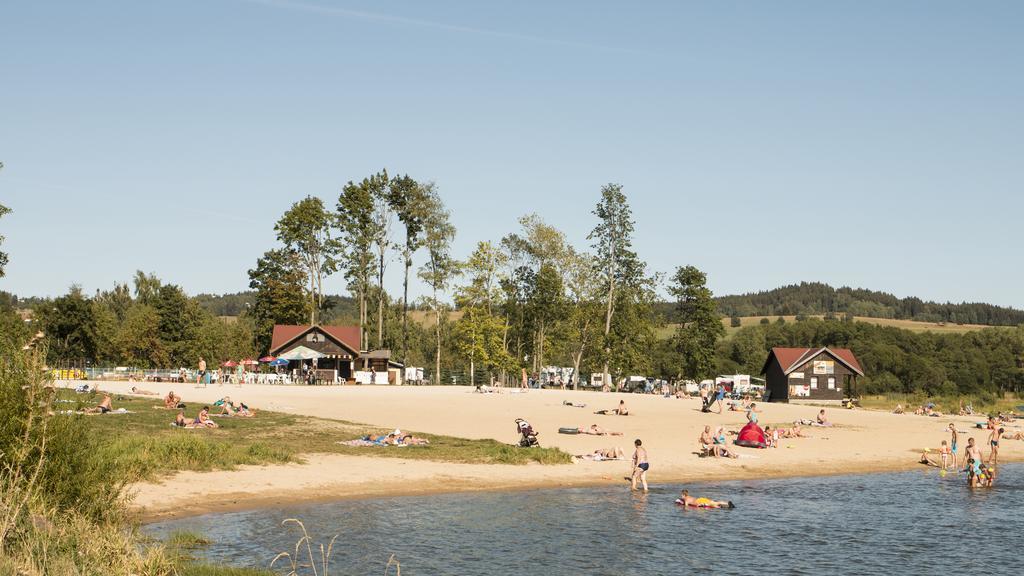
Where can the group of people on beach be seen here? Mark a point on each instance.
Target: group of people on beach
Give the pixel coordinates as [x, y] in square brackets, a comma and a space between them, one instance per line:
[981, 471]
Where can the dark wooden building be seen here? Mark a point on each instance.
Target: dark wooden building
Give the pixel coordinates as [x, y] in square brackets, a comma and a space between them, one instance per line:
[812, 374]
[340, 345]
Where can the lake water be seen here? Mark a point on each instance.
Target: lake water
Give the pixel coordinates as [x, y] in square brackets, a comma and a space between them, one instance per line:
[916, 522]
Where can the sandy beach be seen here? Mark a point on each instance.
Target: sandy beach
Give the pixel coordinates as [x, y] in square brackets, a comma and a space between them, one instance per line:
[861, 441]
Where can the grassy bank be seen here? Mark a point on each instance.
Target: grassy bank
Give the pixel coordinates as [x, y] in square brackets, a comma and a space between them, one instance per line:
[144, 445]
[984, 404]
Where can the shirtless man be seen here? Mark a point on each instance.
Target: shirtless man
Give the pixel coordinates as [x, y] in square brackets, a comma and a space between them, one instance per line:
[172, 401]
[640, 465]
[686, 500]
[103, 407]
[707, 442]
[993, 442]
[183, 422]
[200, 378]
[973, 452]
[143, 392]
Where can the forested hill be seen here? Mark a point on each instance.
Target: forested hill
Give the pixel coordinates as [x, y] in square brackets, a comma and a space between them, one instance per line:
[817, 298]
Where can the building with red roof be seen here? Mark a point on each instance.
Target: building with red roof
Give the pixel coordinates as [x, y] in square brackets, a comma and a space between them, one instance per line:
[340, 348]
[811, 374]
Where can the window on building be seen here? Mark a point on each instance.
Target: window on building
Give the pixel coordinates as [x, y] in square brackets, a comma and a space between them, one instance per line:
[814, 383]
[831, 383]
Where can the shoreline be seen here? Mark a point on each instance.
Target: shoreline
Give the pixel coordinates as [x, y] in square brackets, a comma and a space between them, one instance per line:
[278, 497]
[861, 441]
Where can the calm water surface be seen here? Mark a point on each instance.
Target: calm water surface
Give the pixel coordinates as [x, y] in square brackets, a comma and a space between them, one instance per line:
[886, 524]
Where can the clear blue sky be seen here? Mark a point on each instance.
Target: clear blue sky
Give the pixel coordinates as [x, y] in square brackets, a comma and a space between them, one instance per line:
[875, 144]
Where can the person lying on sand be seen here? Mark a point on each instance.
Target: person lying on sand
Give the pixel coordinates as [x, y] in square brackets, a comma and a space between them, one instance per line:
[103, 407]
[143, 392]
[686, 500]
[574, 404]
[1014, 436]
[410, 440]
[601, 455]
[620, 411]
[596, 430]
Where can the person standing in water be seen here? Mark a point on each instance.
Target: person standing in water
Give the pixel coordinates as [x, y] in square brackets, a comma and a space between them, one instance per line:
[952, 443]
[993, 442]
[640, 465]
[973, 452]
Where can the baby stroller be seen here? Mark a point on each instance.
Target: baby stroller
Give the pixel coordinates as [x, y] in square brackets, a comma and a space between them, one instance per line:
[527, 437]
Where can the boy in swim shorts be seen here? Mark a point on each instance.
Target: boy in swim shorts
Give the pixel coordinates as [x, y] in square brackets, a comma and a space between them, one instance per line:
[952, 448]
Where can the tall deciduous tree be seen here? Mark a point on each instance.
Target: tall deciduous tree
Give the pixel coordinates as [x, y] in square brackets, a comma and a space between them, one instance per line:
[409, 201]
[306, 230]
[700, 326]
[480, 330]
[615, 263]
[355, 220]
[383, 216]
[278, 283]
[440, 267]
[584, 311]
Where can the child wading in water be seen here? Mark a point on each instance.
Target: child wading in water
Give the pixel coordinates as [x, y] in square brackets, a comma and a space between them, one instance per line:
[945, 453]
[640, 465]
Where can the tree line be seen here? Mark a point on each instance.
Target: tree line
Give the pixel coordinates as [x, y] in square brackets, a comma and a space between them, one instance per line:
[815, 298]
[989, 361]
[519, 302]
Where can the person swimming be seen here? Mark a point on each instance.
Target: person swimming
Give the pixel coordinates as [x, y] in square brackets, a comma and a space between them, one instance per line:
[689, 501]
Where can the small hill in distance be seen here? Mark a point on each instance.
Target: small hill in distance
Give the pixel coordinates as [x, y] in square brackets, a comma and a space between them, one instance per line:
[815, 299]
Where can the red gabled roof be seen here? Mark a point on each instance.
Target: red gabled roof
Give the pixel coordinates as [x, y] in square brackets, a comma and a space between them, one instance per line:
[791, 358]
[285, 333]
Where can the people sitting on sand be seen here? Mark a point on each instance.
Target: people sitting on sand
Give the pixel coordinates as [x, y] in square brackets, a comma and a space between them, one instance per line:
[707, 442]
[686, 500]
[620, 411]
[141, 392]
[796, 431]
[103, 407]
[172, 401]
[596, 430]
[771, 436]
[899, 409]
[203, 419]
[926, 460]
[822, 419]
[720, 445]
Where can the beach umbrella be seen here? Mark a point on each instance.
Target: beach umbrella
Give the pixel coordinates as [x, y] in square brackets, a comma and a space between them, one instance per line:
[279, 362]
[249, 362]
[230, 364]
[301, 353]
[267, 359]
